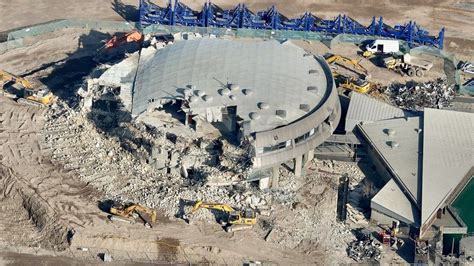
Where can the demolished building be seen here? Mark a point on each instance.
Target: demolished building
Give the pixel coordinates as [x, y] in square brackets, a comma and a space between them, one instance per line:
[274, 96]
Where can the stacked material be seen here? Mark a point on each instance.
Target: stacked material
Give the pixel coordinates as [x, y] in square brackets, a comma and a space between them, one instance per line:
[365, 250]
[416, 96]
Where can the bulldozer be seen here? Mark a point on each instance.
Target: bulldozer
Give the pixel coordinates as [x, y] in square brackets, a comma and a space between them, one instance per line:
[236, 219]
[24, 91]
[133, 210]
[360, 83]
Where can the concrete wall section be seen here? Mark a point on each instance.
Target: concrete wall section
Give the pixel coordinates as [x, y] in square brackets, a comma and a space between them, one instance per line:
[273, 147]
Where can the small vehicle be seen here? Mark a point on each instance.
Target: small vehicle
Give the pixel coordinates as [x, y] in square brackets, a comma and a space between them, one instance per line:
[408, 64]
[381, 47]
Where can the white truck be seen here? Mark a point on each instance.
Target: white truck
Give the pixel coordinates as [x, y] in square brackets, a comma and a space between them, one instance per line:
[381, 47]
[409, 64]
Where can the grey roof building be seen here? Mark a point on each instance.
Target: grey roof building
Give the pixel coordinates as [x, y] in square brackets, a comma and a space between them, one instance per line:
[271, 82]
[274, 94]
[426, 159]
[448, 154]
[363, 108]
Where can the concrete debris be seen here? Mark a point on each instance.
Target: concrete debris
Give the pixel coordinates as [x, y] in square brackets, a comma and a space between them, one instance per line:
[416, 96]
[422, 248]
[365, 250]
[106, 257]
[168, 169]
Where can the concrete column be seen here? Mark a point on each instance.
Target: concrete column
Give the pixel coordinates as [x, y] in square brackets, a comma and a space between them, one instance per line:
[298, 166]
[264, 183]
[309, 156]
[186, 120]
[276, 176]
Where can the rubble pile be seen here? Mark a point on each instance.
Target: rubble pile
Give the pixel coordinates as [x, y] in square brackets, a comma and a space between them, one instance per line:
[120, 163]
[416, 96]
[365, 250]
[361, 191]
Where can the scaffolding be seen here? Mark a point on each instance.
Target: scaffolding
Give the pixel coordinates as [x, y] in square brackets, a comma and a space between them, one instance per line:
[240, 17]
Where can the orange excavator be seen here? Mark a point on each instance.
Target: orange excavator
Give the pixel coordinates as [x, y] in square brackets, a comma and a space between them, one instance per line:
[118, 45]
[133, 36]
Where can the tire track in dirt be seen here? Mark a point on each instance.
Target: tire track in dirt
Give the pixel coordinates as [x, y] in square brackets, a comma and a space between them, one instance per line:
[47, 202]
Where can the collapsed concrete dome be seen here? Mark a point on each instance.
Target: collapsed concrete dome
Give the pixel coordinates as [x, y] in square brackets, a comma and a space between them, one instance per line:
[246, 85]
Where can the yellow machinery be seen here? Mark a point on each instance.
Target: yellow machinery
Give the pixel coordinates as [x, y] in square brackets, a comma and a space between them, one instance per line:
[234, 217]
[7, 77]
[146, 214]
[359, 84]
[27, 94]
[367, 54]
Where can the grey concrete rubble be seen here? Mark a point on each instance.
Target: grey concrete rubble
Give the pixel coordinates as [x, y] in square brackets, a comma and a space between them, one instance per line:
[416, 96]
[365, 250]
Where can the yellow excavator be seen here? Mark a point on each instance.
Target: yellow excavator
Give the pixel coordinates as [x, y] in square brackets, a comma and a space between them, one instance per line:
[236, 219]
[360, 83]
[131, 210]
[25, 93]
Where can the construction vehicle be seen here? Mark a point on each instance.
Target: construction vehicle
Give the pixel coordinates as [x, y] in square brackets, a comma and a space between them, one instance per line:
[133, 36]
[381, 47]
[118, 45]
[408, 64]
[235, 220]
[135, 210]
[389, 236]
[359, 83]
[24, 91]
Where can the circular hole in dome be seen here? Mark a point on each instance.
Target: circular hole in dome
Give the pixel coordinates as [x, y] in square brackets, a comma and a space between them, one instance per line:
[263, 105]
[254, 116]
[225, 91]
[247, 92]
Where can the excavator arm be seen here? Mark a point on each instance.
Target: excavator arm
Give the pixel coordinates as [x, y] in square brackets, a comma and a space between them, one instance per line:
[347, 61]
[215, 206]
[140, 210]
[6, 77]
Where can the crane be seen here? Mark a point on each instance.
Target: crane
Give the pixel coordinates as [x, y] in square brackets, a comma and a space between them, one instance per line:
[244, 217]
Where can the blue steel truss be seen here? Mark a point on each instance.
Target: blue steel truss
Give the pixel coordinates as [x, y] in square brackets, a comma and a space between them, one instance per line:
[211, 15]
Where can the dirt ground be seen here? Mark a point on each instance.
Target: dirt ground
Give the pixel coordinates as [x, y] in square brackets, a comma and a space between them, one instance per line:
[454, 15]
[45, 207]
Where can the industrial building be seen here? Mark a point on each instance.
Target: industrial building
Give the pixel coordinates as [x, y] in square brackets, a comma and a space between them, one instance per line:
[274, 95]
[427, 160]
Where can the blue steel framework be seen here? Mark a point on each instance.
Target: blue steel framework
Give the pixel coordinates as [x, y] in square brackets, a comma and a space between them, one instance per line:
[176, 13]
